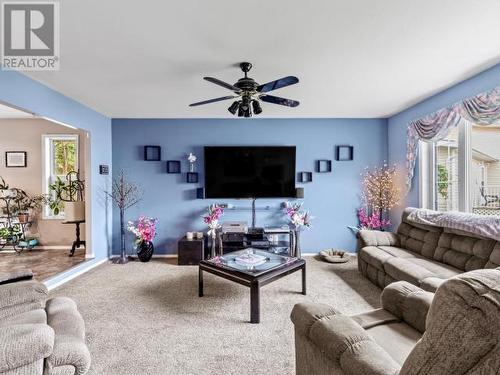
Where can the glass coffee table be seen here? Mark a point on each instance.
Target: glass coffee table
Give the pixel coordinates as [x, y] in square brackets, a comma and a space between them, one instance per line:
[253, 268]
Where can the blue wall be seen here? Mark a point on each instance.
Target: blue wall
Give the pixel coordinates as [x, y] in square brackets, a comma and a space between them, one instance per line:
[23, 92]
[397, 125]
[332, 198]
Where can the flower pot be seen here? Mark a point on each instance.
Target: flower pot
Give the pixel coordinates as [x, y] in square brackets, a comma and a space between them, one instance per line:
[74, 211]
[145, 251]
[23, 217]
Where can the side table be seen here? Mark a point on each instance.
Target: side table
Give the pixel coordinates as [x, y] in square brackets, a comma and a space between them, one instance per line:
[78, 242]
[190, 252]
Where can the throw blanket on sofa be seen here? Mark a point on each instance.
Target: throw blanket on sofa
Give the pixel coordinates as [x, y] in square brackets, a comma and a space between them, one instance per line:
[483, 226]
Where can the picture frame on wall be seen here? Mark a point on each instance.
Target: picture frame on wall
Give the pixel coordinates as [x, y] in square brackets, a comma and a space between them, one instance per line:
[16, 159]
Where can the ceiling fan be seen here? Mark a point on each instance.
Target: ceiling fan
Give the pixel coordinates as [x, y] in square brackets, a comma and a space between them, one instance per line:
[250, 92]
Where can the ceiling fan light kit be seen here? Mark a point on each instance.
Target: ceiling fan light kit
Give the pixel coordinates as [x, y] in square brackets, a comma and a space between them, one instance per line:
[250, 93]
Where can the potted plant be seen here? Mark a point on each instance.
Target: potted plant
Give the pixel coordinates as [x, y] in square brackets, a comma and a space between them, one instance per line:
[145, 232]
[25, 205]
[70, 195]
[124, 194]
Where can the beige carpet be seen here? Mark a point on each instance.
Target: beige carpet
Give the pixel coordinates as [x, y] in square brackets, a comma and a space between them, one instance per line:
[147, 318]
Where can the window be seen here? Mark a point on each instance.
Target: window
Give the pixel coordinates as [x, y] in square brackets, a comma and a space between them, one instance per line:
[60, 156]
[462, 171]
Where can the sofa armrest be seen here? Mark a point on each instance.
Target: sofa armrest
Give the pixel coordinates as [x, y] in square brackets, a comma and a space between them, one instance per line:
[407, 302]
[378, 238]
[21, 296]
[23, 344]
[69, 343]
[342, 340]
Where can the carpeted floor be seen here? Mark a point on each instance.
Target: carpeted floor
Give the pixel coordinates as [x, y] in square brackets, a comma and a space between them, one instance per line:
[147, 318]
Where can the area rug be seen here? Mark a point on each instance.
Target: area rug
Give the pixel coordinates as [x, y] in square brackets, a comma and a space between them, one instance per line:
[147, 318]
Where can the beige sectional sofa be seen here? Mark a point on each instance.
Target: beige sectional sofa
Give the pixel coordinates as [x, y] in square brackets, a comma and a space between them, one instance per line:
[40, 335]
[456, 331]
[423, 255]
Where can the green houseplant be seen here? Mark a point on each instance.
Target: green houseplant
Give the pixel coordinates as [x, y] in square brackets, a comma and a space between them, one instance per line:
[68, 194]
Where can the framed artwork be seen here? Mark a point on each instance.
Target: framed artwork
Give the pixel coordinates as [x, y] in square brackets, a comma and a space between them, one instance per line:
[16, 159]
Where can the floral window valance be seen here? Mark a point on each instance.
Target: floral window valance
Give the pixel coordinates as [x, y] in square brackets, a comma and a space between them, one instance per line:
[483, 109]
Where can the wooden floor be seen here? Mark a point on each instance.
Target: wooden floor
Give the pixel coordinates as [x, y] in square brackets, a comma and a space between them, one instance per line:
[43, 263]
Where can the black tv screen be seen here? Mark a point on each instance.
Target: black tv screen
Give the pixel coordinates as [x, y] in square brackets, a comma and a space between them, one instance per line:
[250, 172]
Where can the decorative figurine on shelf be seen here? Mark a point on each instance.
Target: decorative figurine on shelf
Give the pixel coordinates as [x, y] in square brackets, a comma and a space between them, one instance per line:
[299, 219]
[145, 232]
[124, 194]
[191, 159]
[214, 213]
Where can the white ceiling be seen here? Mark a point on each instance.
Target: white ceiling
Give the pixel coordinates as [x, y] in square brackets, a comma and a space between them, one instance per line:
[7, 112]
[354, 58]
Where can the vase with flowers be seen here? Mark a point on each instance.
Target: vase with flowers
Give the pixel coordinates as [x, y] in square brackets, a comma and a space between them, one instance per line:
[300, 219]
[214, 213]
[145, 232]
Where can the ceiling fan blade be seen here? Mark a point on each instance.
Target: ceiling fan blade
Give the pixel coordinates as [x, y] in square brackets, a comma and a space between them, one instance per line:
[278, 100]
[222, 83]
[213, 100]
[279, 83]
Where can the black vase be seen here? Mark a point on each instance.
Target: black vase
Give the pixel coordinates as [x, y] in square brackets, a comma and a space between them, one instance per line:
[145, 251]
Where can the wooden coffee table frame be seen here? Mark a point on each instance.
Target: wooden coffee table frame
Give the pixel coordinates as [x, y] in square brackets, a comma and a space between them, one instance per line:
[251, 281]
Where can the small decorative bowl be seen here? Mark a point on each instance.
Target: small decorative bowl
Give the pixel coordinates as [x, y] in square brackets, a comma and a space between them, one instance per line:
[334, 256]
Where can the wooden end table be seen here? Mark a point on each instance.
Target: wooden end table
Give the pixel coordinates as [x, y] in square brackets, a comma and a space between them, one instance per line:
[78, 242]
[254, 279]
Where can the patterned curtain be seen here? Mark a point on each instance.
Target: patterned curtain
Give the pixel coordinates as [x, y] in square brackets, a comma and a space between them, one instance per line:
[483, 109]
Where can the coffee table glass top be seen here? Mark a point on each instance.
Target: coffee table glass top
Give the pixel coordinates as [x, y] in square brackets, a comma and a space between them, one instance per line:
[251, 261]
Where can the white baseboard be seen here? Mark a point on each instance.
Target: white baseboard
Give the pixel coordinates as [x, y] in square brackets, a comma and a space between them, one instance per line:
[70, 274]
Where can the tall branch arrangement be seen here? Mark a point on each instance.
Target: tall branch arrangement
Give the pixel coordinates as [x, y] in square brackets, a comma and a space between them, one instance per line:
[380, 194]
[124, 194]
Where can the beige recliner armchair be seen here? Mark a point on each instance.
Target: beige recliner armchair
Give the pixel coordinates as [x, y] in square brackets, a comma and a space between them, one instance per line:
[39, 336]
[456, 331]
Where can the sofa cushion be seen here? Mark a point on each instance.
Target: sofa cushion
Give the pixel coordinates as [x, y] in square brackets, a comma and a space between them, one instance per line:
[431, 284]
[440, 270]
[37, 316]
[397, 339]
[464, 252]
[494, 260]
[374, 256]
[418, 240]
[405, 269]
[399, 252]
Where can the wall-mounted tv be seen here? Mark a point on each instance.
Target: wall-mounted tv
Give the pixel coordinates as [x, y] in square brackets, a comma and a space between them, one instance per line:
[250, 172]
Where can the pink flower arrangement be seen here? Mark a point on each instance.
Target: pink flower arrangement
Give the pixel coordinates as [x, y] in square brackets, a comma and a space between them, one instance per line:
[214, 213]
[372, 221]
[297, 216]
[145, 230]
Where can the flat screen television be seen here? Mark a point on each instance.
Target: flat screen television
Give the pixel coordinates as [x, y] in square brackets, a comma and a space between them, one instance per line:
[250, 172]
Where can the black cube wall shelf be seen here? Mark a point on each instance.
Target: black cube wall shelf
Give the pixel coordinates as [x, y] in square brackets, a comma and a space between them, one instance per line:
[344, 153]
[200, 193]
[152, 153]
[192, 178]
[305, 177]
[173, 166]
[323, 166]
[299, 192]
